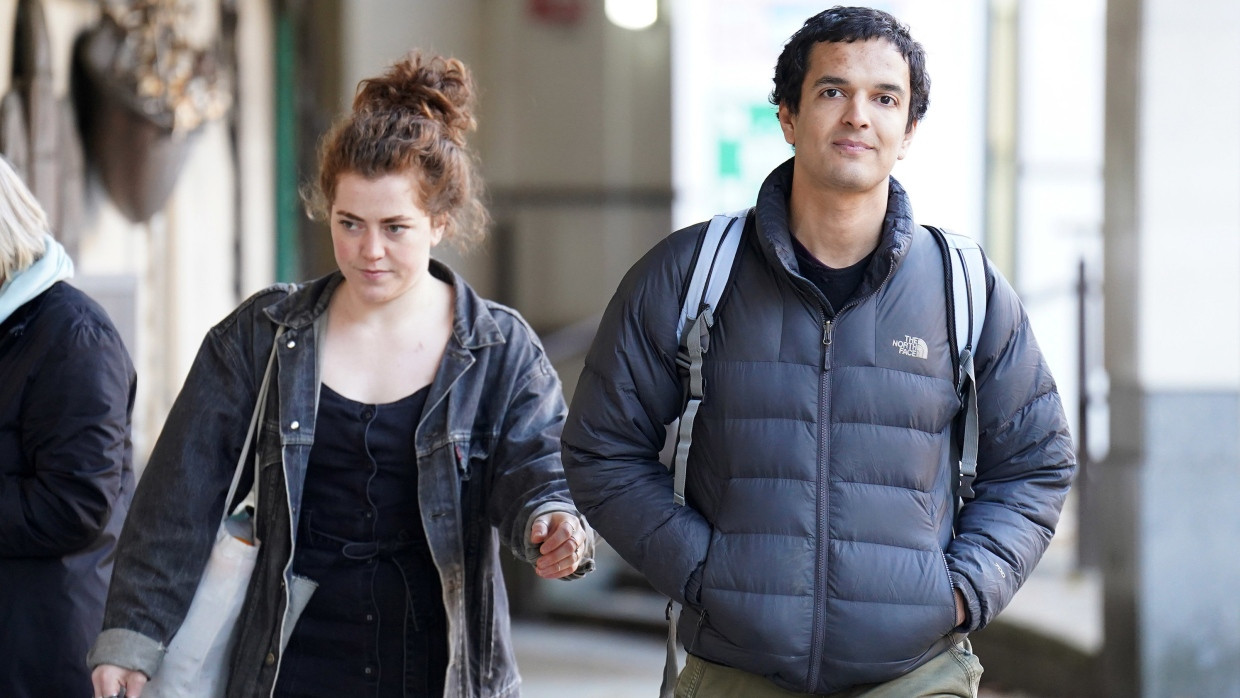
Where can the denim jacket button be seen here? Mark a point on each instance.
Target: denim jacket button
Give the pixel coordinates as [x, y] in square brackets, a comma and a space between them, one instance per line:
[294, 425]
[271, 658]
[291, 343]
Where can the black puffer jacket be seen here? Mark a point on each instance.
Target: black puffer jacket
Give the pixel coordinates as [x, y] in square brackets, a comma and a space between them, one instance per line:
[66, 477]
[816, 547]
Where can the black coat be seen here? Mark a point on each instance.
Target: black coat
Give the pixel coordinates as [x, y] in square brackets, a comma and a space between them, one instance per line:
[66, 478]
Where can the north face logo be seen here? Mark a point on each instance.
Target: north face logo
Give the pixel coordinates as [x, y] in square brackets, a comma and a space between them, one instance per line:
[912, 346]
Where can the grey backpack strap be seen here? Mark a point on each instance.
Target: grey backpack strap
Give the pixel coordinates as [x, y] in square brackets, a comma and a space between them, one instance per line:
[968, 297]
[670, 667]
[711, 268]
[709, 276]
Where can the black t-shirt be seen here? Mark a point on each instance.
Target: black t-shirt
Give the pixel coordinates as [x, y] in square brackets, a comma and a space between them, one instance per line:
[837, 285]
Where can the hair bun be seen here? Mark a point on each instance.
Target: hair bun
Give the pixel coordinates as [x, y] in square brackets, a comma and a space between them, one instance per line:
[439, 89]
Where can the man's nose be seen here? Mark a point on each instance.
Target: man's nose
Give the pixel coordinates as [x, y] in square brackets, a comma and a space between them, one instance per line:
[857, 114]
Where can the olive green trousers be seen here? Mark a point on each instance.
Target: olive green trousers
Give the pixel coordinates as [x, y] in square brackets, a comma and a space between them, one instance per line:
[953, 674]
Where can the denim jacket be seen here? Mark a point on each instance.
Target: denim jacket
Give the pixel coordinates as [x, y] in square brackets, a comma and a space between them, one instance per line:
[488, 453]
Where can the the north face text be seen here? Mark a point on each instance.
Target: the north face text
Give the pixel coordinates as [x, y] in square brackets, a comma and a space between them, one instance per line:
[912, 346]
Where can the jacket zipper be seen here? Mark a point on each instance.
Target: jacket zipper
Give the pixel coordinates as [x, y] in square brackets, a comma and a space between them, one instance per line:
[952, 586]
[824, 499]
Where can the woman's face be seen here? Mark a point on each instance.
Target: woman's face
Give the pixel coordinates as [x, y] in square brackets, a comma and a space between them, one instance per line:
[381, 236]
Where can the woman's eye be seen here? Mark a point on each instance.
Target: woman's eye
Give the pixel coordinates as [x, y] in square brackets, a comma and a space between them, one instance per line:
[395, 229]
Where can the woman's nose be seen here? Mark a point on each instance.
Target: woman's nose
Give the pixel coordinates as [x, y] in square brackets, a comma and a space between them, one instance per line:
[372, 245]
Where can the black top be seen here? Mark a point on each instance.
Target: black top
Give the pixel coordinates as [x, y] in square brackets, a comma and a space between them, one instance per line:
[375, 625]
[838, 285]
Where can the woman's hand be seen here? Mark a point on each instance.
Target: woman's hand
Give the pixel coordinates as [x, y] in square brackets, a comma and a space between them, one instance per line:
[111, 681]
[563, 542]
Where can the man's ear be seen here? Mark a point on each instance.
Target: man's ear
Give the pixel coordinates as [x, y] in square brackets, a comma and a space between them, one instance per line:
[908, 140]
[787, 124]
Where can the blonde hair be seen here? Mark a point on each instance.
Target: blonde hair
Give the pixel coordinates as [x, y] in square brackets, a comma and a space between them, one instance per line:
[23, 224]
[411, 120]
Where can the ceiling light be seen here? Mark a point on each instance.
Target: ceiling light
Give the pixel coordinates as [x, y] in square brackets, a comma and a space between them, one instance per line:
[632, 14]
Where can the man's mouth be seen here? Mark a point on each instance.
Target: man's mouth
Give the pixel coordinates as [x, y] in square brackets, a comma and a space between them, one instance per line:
[851, 145]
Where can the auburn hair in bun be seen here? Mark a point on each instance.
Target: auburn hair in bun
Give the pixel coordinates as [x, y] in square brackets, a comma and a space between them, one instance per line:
[412, 119]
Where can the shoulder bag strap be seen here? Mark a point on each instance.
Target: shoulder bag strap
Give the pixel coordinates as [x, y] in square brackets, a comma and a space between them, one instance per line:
[260, 408]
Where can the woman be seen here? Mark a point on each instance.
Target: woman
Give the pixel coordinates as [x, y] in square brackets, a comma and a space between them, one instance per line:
[66, 471]
[415, 427]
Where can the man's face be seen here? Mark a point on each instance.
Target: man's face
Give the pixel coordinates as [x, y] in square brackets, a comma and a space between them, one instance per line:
[850, 128]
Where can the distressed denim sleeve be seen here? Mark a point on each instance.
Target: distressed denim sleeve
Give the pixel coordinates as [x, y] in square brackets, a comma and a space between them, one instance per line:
[527, 475]
[126, 649]
[179, 501]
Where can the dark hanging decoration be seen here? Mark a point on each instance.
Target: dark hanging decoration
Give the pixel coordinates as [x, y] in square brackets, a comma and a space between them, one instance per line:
[145, 91]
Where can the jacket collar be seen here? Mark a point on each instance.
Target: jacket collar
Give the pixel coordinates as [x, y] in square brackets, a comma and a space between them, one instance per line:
[473, 326]
[15, 323]
[29, 283]
[771, 218]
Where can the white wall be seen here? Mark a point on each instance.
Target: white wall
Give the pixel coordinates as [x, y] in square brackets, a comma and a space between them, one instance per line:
[1189, 199]
[577, 113]
[1059, 186]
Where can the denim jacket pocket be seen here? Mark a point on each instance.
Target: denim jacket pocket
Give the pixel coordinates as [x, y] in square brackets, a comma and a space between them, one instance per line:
[470, 456]
[299, 593]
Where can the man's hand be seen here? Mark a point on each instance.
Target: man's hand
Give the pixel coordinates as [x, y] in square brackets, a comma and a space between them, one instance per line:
[962, 613]
[562, 546]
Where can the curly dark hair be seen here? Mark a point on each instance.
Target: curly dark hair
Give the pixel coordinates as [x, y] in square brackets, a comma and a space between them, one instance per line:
[410, 120]
[849, 24]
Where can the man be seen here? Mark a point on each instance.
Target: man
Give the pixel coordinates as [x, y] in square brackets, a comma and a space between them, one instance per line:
[819, 550]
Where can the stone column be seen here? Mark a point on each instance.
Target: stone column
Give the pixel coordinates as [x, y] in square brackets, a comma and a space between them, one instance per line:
[1171, 484]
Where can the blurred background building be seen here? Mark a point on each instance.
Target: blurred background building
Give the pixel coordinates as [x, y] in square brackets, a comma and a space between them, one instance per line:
[1092, 146]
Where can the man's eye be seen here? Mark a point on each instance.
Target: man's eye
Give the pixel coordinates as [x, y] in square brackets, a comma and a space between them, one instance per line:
[831, 92]
[888, 100]
[395, 229]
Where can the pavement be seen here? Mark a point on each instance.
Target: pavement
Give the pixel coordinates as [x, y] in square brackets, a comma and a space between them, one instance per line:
[563, 660]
